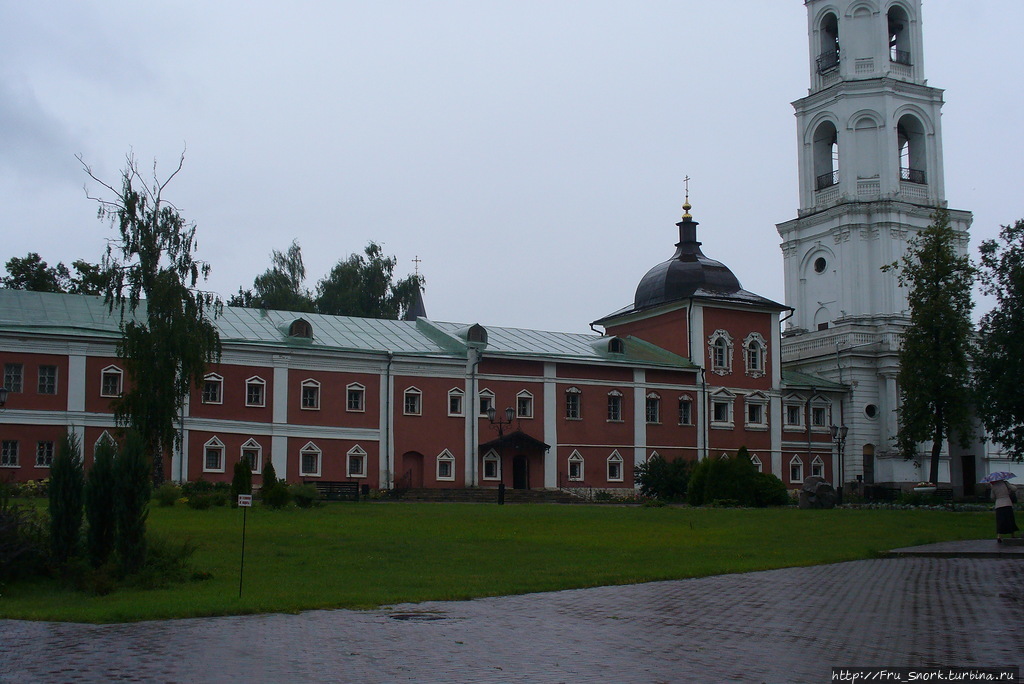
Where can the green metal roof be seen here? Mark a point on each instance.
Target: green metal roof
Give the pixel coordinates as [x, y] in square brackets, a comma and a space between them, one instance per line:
[793, 379]
[53, 313]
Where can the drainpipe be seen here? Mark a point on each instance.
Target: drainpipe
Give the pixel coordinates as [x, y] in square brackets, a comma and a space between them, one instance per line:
[814, 390]
[389, 473]
[704, 406]
[472, 411]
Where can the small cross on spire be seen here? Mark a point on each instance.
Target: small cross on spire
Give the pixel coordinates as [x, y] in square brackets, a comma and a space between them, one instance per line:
[686, 204]
[416, 260]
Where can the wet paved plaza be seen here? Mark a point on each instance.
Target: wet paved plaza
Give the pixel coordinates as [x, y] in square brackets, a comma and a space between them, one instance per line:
[789, 625]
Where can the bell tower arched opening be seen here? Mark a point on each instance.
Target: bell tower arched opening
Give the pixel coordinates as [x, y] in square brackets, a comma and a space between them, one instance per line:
[828, 32]
[826, 155]
[911, 141]
[899, 36]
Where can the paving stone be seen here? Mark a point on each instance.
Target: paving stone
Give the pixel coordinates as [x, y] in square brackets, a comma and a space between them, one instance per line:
[790, 625]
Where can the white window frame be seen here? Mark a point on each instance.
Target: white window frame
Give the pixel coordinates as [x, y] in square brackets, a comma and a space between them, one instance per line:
[213, 444]
[415, 394]
[10, 453]
[817, 467]
[759, 400]
[652, 401]
[104, 436]
[723, 340]
[576, 459]
[46, 449]
[821, 403]
[310, 384]
[756, 460]
[356, 454]
[484, 400]
[757, 341]
[527, 410]
[723, 396]
[798, 463]
[790, 402]
[358, 391]
[577, 403]
[256, 381]
[252, 445]
[491, 456]
[311, 449]
[445, 457]
[14, 377]
[111, 371]
[217, 381]
[39, 379]
[456, 394]
[615, 401]
[688, 401]
[615, 462]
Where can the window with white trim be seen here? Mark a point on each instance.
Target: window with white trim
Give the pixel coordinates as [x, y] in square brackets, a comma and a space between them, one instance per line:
[820, 413]
[310, 395]
[14, 374]
[356, 462]
[44, 454]
[456, 402]
[252, 453]
[755, 352]
[524, 405]
[796, 469]
[213, 456]
[756, 405]
[615, 406]
[255, 392]
[111, 381]
[47, 380]
[652, 407]
[355, 398]
[817, 467]
[686, 410]
[573, 404]
[485, 400]
[104, 438]
[756, 460]
[412, 403]
[9, 454]
[446, 466]
[492, 466]
[722, 409]
[309, 460]
[794, 412]
[614, 467]
[575, 466]
[720, 350]
[213, 389]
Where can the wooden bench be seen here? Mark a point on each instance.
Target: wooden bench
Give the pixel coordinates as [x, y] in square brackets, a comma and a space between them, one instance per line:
[336, 491]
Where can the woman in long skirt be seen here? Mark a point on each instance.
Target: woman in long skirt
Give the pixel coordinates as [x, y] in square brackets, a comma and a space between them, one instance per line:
[1005, 524]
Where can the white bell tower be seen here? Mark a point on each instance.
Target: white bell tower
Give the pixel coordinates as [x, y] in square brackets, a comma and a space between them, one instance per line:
[870, 172]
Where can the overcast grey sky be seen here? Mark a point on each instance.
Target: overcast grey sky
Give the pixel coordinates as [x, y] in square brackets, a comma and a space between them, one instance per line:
[530, 152]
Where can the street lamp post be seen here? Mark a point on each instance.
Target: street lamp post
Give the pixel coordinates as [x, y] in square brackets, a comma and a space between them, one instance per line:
[839, 433]
[499, 424]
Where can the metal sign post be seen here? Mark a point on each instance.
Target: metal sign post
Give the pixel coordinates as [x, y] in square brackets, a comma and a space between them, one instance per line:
[245, 503]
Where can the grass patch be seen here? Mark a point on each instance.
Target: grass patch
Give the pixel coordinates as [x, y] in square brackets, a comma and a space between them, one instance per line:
[366, 555]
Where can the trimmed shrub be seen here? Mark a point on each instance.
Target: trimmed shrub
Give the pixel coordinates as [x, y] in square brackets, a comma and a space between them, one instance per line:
[134, 484]
[734, 481]
[23, 542]
[274, 493]
[663, 480]
[241, 483]
[304, 495]
[65, 499]
[200, 502]
[100, 495]
[167, 494]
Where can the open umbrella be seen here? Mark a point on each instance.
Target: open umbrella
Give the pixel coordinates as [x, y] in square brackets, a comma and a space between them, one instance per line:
[997, 476]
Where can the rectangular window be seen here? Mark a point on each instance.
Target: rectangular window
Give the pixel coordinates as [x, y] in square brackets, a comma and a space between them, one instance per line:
[796, 472]
[255, 393]
[794, 414]
[310, 462]
[44, 454]
[413, 403]
[685, 412]
[819, 416]
[653, 410]
[252, 457]
[614, 407]
[212, 390]
[13, 373]
[524, 406]
[9, 454]
[615, 471]
[47, 380]
[357, 465]
[444, 470]
[817, 468]
[486, 402]
[720, 409]
[356, 399]
[310, 396]
[572, 405]
[455, 404]
[490, 469]
[214, 459]
[755, 414]
[575, 470]
[110, 383]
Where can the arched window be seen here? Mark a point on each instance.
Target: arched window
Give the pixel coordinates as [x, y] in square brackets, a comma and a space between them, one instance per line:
[615, 467]
[720, 351]
[796, 470]
[826, 155]
[300, 328]
[686, 410]
[445, 466]
[911, 138]
[817, 467]
[899, 36]
[492, 466]
[573, 404]
[252, 453]
[754, 352]
[213, 456]
[828, 31]
[309, 460]
[524, 405]
[356, 462]
[653, 407]
[615, 406]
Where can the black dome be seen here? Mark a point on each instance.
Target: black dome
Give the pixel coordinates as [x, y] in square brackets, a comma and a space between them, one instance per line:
[685, 273]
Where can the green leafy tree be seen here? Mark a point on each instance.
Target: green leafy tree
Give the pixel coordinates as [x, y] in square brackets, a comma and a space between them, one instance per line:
[32, 273]
[281, 287]
[100, 504]
[167, 342]
[999, 357]
[363, 286]
[736, 479]
[934, 372]
[131, 503]
[65, 499]
[663, 479]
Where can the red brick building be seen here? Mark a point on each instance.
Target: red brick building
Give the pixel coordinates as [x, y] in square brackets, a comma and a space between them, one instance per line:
[691, 369]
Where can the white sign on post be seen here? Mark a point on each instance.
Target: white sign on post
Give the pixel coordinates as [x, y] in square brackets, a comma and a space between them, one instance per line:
[245, 500]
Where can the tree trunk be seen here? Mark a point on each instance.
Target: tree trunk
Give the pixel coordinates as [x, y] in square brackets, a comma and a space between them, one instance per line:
[933, 470]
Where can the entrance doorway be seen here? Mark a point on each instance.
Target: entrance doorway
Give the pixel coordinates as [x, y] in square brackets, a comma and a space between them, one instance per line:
[969, 470]
[410, 475]
[520, 472]
[869, 464]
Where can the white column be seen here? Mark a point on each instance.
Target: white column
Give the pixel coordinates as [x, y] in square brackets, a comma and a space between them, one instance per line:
[550, 426]
[639, 416]
[279, 443]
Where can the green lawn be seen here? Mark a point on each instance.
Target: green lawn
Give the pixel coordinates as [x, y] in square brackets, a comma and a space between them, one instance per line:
[351, 555]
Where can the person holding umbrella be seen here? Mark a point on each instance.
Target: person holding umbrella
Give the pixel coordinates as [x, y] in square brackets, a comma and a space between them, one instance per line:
[1005, 494]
